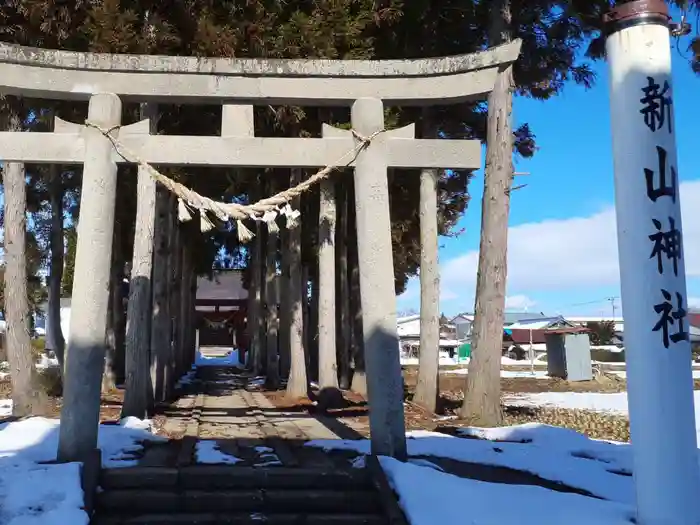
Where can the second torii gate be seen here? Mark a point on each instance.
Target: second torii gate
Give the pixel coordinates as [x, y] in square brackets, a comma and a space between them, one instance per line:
[106, 79]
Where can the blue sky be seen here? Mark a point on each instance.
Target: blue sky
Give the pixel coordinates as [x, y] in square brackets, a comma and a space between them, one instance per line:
[563, 252]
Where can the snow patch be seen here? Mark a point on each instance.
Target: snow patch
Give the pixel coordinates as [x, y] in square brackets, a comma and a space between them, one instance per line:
[35, 493]
[428, 496]
[208, 452]
[552, 453]
[229, 358]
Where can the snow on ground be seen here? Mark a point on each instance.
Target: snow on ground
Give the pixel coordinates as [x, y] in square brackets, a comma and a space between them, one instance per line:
[267, 456]
[46, 362]
[186, 379]
[34, 493]
[615, 403]
[208, 452]
[5, 407]
[428, 497]
[553, 453]
[444, 361]
[43, 363]
[215, 356]
[509, 374]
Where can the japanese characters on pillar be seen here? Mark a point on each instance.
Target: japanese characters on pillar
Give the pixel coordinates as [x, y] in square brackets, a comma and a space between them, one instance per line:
[652, 270]
[666, 239]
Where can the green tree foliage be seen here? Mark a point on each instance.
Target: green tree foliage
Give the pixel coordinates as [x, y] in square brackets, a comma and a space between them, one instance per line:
[602, 333]
[69, 269]
[690, 10]
[555, 38]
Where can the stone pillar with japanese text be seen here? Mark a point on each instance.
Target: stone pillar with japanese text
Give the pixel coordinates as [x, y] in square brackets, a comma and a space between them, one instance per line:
[652, 271]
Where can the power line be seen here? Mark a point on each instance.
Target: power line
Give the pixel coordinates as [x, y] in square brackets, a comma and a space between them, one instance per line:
[602, 300]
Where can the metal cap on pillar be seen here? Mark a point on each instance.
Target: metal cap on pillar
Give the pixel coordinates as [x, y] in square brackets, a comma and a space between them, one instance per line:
[630, 14]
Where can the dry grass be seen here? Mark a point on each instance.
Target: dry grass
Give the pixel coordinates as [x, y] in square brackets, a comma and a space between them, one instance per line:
[594, 424]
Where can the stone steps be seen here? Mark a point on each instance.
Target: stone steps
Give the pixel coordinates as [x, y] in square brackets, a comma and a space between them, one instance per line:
[217, 494]
[230, 477]
[281, 500]
[243, 519]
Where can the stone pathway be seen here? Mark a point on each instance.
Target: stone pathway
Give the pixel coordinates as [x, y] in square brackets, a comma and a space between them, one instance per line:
[223, 405]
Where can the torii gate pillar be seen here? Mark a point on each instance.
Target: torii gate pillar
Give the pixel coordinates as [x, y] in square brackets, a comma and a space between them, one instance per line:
[378, 297]
[85, 355]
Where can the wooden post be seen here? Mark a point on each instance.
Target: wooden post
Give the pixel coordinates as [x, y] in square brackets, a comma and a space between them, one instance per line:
[174, 292]
[138, 392]
[297, 385]
[160, 327]
[427, 389]
[327, 361]
[285, 306]
[342, 282]
[272, 284]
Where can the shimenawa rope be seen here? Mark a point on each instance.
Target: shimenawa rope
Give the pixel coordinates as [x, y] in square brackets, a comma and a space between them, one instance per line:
[266, 210]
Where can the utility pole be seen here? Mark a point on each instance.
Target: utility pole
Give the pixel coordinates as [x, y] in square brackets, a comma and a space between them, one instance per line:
[612, 305]
[652, 271]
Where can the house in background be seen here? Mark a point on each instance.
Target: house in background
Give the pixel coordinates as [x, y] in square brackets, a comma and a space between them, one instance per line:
[463, 325]
[408, 330]
[463, 322]
[221, 306]
[528, 331]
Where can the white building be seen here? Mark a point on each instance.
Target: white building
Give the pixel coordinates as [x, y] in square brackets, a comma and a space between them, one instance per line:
[65, 321]
[408, 330]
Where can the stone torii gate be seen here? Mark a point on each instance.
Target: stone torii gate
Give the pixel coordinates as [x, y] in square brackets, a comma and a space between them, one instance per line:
[238, 84]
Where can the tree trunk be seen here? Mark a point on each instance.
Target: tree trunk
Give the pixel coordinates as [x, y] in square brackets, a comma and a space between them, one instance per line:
[359, 376]
[56, 341]
[272, 285]
[71, 235]
[160, 327]
[327, 361]
[427, 390]
[260, 322]
[306, 308]
[109, 376]
[28, 397]
[313, 347]
[139, 389]
[186, 275]
[285, 306]
[297, 386]
[119, 323]
[482, 403]
[175, 265]
[254, 295]
[191, 325]
[342, 298]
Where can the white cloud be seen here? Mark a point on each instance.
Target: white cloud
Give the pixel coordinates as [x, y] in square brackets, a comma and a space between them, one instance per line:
[694, 302]
[579, 252]
[519, 302]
